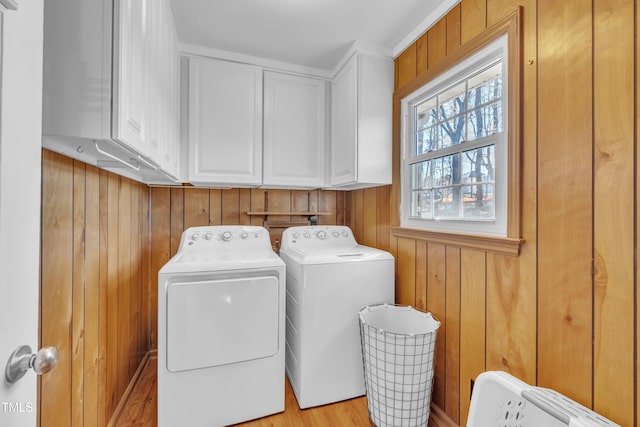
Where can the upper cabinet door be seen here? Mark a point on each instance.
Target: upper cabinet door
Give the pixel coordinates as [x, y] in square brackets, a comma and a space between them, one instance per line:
[294, 130]
[344, 113]
[225, 123]
[129, 118]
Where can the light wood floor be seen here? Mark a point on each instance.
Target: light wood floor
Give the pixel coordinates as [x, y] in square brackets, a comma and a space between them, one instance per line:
[140, 409]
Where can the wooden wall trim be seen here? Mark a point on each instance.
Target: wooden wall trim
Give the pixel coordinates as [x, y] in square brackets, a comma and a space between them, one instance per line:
[498, 245]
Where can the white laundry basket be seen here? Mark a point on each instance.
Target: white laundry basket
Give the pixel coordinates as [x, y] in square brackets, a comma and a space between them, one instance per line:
[398, 350]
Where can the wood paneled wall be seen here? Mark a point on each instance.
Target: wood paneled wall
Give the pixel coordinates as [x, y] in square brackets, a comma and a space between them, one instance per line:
[563, 313]
[94, 296]
[175, 209]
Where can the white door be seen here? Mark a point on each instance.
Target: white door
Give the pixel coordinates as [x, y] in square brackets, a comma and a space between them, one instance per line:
[20, 153]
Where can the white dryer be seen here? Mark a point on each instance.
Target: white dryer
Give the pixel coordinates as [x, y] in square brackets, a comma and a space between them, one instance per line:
[221, 311]
[330, 278]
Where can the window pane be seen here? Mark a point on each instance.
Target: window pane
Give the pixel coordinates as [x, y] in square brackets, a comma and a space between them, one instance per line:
[446, 170]
[484, 121]
[446, 202]
[479, 201]
[486, 86]
[451, 102]
[420, 175]
[478, 165]
[426, 140]
[452, 132]
[421, 204]
[426, 113]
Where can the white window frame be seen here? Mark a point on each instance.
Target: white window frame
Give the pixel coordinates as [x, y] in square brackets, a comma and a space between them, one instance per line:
[496, 50]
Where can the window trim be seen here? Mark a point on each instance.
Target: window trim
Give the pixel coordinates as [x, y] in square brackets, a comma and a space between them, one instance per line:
[510, 25]
[497, 50]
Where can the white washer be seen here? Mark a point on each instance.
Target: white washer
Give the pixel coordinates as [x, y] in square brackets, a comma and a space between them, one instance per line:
[330, 278]
[221, 352]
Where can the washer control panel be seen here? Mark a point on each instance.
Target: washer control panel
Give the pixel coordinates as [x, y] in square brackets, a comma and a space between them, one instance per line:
[224, 237]
[318, 236]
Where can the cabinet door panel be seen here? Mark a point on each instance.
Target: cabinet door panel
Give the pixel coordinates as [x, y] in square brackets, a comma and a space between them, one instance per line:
[294, 130]
[344, 125]
[225, 122]
[130, 71]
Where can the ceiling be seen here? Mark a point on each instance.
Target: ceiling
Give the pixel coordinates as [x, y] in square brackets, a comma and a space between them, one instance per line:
[310, 33]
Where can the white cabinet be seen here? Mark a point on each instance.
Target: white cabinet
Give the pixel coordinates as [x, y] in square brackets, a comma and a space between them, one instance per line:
[225, 123]
[361, 115]
[110, 76]
[132, 40]
[294, 130]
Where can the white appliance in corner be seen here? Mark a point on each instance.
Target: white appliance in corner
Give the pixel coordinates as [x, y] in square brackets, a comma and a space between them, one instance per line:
[221, 342]
[330, 278]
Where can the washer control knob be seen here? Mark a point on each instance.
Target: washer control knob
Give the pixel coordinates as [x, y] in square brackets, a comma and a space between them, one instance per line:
[345, 234]
[307, 235]
[321, 235]
[226, 236]
[195, 236]
[335, 234]
[296, 235]
[244, 236]
[208, 235]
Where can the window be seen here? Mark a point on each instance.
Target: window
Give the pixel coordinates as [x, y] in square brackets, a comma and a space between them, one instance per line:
[455, 171]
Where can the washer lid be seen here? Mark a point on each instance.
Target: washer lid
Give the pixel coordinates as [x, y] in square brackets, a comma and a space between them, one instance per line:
[335, 255]
[203, 261]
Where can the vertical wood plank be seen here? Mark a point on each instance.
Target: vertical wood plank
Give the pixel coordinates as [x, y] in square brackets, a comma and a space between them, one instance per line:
[177, 218]
[614, 245]
[300, 203]
[421, 275]
[215, 206]
[358, 213]
[369, 216]
[453, 28]
[473, 18]
[245, 206]
[496, 10]
[472, 324]
[196, 207]
[565, 197]
[452, 335]
[383, 222]
[511, 321]
[436, 304]
[103, 350]
[91, 374]
[257, 205]
[112, 293]
[279, 201]
[57, 279]
[406, 66]
[406, 283]
[422, 54]
[160, 251]
[148, 281]
[78, 296]
[124, 285]
[327, 201]
[134, 284]
[230, 206]
[437, 41]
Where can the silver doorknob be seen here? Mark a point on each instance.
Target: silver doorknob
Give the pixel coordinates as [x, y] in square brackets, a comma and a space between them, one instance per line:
[22, 360]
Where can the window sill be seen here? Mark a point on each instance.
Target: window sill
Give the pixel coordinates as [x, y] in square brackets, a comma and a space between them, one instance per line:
[498, 245]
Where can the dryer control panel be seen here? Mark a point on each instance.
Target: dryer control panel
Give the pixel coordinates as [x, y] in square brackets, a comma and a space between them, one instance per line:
[319, 236]
[224, 237]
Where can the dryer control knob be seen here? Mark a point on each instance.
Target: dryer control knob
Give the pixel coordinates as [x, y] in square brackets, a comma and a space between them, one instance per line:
[321, 235]
[244, 236]
[296, 235]
[345, 234]
[226, 236]
[195, 236]
[335, 234]
[307, 235]
[208, 235]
